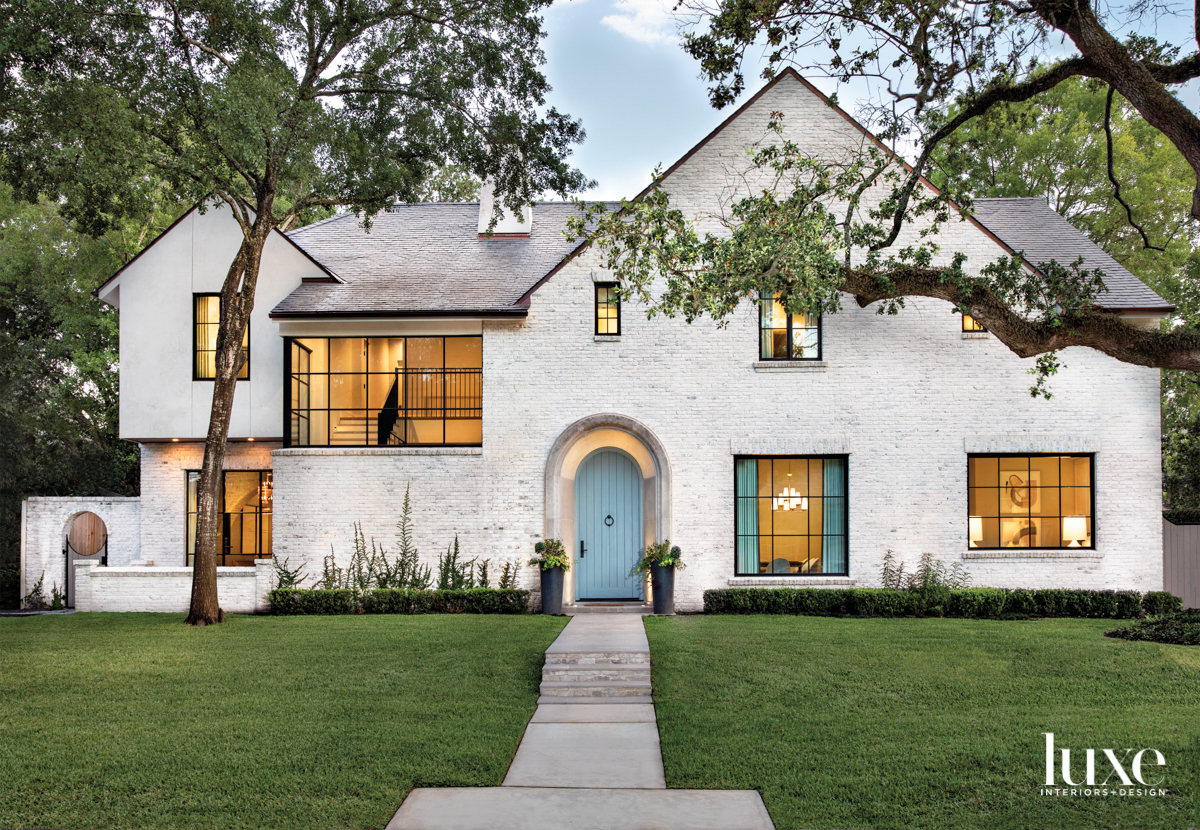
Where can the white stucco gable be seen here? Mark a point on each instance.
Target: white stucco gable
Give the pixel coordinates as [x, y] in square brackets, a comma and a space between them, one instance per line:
[159, 399]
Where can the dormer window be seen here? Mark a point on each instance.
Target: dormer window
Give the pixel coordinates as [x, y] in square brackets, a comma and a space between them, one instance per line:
[206, 319]
[784, 336]
[608, 309]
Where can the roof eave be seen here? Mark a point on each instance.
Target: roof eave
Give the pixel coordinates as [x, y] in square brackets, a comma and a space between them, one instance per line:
[406, 314]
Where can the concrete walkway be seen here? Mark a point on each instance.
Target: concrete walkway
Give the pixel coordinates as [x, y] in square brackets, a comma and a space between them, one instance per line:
[590, 758]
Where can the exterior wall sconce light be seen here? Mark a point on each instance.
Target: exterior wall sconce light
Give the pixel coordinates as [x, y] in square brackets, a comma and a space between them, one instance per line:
[976, 530]
[1075, 529]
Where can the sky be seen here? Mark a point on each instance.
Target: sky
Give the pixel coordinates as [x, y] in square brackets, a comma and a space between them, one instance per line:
[617, 65]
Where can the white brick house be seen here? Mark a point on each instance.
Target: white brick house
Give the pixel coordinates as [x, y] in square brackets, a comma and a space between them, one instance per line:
[490, 375]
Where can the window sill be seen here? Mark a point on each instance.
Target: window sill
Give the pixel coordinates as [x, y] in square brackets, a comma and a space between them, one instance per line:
[1056, 553]
[976, 335]
[794, 581]
[790, 365]
[291, 452]
[608, 338]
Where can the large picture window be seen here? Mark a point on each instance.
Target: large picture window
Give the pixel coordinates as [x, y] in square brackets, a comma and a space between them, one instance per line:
[244, 532]
[790, 515]
[206, 319]
[1029, 501]
[384, 391]
[784, 336]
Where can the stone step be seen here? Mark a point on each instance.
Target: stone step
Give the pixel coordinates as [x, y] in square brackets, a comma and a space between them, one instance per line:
[585, 672]
[553, 808]
[608, 608]
[598, 658]
[579, 701]
[602, 688]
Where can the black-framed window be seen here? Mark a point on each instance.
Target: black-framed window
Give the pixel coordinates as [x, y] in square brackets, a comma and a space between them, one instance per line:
[784, 336]
[790, 515]
[244, 532]
[383, 391]
[608, 309]
[1030, 501]
[969, 323]
[206, 319]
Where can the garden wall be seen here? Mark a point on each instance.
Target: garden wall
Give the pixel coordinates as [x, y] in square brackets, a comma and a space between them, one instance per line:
[168, 589]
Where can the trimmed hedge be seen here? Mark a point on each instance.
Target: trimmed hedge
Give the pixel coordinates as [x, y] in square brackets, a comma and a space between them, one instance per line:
[971, 603]
[295, 601]
[1183, 516]
[1181, 628]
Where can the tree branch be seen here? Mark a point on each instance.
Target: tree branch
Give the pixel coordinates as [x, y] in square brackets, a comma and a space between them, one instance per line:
[1112, 176]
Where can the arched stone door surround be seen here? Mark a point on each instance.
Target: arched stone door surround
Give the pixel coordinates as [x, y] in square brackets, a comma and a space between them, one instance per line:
[578, 441]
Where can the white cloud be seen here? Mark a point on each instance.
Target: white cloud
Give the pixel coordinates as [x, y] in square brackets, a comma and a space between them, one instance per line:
[646, 21]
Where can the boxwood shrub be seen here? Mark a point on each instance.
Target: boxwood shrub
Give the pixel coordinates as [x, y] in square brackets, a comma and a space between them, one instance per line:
[1181, 628]
[290, 601]
[970, 603]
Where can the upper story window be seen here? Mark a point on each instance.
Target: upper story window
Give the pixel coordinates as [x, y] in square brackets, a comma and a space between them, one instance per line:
[608, 309]
[1030, 501]
[784, 336]
[384, 391]
[790, 515]
[206, 319]
[244, 532]
[969, 323]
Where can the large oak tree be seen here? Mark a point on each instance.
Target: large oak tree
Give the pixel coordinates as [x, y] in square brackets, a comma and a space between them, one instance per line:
[278, 109]
[811, 230]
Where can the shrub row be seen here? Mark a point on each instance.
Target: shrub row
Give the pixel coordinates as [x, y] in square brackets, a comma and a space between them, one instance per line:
[1181, 629]
[1183, 516]
[974, 603]
[291, 601]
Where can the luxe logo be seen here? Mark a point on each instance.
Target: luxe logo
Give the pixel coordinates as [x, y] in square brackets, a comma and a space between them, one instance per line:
[1116, 766]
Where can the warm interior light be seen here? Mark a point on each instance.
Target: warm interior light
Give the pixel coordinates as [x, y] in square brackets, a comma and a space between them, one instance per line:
[975, 533]
[1075, 529]
[249, 439]
[789, 499]
[175, 440]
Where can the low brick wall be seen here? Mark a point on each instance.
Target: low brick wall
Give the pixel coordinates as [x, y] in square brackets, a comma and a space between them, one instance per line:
[168, 589]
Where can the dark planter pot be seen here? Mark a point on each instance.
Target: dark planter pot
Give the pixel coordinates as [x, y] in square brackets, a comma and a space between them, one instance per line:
[552, 591]
[662, 581]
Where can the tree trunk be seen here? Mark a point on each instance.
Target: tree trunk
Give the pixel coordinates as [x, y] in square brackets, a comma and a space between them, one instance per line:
[237, 301]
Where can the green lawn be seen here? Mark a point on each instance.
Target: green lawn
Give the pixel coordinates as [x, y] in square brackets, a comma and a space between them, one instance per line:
[136, 720]
[881, 724]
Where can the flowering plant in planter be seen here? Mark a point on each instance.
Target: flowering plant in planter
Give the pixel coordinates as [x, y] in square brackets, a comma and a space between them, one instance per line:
[550, 554]
[664, 554]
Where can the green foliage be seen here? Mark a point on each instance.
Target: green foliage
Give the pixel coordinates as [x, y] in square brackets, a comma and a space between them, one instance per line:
[454, 575]
[58, 598]
[930, 585]
[451, 183]
[407, 572]
[550, 554]
[10, 581]
[36, 598]
[508, 575]
[1157, 603]
[58, 357]
[1181, 628]
[1183, 516]
[295, 601]
[286, 577]
[937, 599]
[663, 553]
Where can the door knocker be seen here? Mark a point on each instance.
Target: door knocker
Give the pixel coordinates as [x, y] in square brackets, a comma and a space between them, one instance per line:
[608, 520]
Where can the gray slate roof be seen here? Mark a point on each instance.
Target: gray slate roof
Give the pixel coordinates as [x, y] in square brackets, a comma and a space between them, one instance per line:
[1030, 225]
[426, 258]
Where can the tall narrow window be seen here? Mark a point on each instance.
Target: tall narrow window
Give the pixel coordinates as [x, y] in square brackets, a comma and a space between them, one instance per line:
[244, 530]
[969, 323]
[384, 391]
[608, 309]
[206, 317]
[784, 336]
[1029, 501]
[790, 515]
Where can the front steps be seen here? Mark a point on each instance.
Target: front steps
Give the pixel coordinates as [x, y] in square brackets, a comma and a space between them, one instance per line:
[576, 670]
[643, 608]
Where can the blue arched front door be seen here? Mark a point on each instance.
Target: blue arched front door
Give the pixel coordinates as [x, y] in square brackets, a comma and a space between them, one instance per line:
[608, 523]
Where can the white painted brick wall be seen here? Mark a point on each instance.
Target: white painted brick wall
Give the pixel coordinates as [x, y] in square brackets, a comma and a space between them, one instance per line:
[162, 589]
[45, 521]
